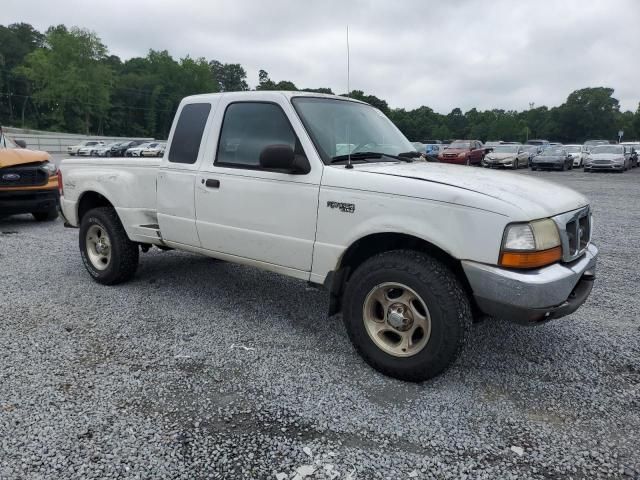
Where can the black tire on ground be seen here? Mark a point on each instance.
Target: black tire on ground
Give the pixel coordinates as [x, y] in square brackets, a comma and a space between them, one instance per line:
[533, 169]
[124, 253]
[443, 296]
[47, 216]
[515, 165]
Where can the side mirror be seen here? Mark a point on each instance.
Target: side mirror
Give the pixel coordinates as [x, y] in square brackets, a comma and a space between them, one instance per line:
[281, 157]
[21, 143]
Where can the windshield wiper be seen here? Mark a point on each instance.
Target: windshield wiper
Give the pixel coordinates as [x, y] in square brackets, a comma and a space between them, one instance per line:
[403, 157]
[356, 156]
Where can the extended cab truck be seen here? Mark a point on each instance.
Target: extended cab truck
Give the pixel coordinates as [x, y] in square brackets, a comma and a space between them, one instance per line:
[407, 249]
[28, 181]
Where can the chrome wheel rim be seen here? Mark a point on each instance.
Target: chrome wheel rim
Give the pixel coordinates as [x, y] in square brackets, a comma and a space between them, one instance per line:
[396, 319]
[98, 247]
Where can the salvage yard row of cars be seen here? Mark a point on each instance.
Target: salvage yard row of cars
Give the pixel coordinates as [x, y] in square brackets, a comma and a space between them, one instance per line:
[130, 148]
[535, 154]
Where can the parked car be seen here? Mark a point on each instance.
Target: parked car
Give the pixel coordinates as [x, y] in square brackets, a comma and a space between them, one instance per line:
[593, 143]
[104, 150]
[553, 158]
[535, 141]
[463, 152]
[532, 151]
[154, 150]
[74, 149]
[136, 150]
[419, 146]
[635, 152]
[608, 157]
[432, 147]
[507, 156]
[492, 143]
[92, 150]
[28, 181]
[387, 236]
[576, 152]
[121, 148]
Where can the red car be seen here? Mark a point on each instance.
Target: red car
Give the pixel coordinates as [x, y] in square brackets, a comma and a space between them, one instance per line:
[463, 152]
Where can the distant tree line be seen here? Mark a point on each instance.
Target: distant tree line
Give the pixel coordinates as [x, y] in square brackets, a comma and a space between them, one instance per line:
[65, 80]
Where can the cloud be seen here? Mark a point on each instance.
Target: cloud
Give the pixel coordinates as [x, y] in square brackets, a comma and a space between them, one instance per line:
[461, 53]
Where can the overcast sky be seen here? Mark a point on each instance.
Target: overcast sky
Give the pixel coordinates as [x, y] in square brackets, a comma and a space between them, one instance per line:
[458, 53]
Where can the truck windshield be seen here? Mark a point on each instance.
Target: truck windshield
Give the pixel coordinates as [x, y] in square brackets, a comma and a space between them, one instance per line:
[340, 127]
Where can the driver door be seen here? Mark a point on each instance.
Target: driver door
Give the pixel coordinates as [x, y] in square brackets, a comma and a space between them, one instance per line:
[262, 216]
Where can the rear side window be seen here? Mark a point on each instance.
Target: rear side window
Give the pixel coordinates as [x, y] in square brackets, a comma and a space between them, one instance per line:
[248, 128]
[188, 134]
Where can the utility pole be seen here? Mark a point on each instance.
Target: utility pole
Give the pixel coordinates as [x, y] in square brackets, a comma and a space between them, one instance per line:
[531, 104]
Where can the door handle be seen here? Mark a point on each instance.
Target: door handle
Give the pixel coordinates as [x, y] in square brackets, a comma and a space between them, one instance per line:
[211, 183]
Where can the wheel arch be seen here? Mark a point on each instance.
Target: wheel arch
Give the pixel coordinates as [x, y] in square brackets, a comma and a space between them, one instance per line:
[375, 243]
[90, 200]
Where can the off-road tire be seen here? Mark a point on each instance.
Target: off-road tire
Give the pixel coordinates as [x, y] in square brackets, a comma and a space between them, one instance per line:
[124, 253]
[443, 295]
[47, 216]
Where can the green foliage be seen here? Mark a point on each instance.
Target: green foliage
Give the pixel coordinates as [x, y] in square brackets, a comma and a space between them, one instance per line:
[229, 77]
[72, 85]
[66, 80]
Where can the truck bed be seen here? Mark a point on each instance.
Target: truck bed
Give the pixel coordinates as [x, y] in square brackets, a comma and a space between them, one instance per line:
[128, 183]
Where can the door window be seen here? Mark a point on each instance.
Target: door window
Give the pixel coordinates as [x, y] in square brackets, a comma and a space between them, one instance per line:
[249, 127]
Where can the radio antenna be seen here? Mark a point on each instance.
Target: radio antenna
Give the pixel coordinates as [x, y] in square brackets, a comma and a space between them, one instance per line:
[348, 96]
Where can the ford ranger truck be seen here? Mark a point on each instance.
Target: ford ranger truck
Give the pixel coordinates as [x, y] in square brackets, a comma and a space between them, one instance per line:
[28, 181]
[327, 190]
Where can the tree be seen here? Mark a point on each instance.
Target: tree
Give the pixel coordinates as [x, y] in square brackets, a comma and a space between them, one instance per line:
[229, 77]
[370, 99]
[588, 113]
[264, 82]
[70, 83]
[16, 42]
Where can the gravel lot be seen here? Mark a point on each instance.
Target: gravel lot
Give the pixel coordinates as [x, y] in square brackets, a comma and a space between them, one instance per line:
[150, 379]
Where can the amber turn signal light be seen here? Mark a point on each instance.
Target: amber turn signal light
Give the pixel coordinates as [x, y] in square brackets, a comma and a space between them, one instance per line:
[530, 259]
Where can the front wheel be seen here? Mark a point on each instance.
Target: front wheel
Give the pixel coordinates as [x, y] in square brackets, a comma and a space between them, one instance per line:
[407, 314]
[107, 253]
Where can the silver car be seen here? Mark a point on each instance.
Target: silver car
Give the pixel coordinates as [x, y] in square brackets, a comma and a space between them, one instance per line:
[507, 156]
[608, 157]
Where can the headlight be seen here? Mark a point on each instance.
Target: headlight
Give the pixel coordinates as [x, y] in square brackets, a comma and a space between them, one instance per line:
[619, 160]
[50, 168]
[530, 245]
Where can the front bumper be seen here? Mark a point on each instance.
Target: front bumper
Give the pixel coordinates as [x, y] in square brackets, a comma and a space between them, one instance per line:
[550, 165]
[605, 166]
[532, 296]
[28, 201]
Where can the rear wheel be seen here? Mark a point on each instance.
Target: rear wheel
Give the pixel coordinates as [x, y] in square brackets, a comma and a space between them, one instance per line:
[406, 314]
[47, 216]
[107, 253]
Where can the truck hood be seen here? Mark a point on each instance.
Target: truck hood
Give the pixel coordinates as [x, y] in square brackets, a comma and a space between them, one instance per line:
[535, 197]
[10, 157]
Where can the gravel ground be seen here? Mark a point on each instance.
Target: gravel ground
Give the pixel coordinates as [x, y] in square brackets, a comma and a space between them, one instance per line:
[204, 369]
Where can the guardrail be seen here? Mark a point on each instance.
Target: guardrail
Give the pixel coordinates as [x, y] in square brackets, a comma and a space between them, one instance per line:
[54, 142]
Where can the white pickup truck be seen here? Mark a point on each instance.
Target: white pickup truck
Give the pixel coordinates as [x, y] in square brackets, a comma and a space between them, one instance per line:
[411, 252]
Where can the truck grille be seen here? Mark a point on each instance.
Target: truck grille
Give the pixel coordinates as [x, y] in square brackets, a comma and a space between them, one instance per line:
[575, 232]
[23, 176]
